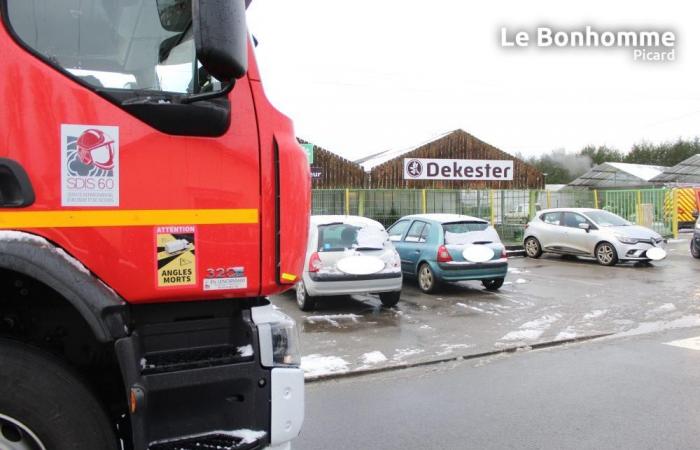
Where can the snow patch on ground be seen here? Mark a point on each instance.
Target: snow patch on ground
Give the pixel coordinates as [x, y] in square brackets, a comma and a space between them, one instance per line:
[426, 327]
[520, 281]
[374, 357]
[522, 335]
[653, 327]
[567, 333]
[533, 329]
[665, 308]
[450, 348]
[317, 365]
[403, 353]
[595, 314]
[333, 319]
[676, 241]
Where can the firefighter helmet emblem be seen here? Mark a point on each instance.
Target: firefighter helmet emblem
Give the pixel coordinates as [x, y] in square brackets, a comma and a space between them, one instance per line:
[414, 168]
[96, 148]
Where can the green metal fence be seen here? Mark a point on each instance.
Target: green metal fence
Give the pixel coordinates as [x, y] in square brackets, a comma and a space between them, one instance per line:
[507, 210]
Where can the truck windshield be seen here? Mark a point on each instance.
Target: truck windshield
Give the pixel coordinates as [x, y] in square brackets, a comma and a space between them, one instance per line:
[116, 44]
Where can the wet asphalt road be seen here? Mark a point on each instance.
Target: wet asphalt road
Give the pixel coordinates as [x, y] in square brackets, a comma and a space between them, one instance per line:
[620, 393]
[543, 300]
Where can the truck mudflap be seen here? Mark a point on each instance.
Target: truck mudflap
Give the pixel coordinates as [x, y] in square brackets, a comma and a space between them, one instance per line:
[199, 383]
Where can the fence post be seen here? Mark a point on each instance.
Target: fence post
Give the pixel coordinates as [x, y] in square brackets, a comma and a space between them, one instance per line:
[595, 198]
[638, 209]
[549, 199]
[532, 201]
[491, 208]
[347, 202]
[361, 203]
[675, 213]
[424, 201]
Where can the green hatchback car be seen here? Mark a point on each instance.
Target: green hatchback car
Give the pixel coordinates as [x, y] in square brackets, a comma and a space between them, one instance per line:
[437, 248]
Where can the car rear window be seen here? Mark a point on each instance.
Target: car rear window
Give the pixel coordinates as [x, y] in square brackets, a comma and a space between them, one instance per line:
[336, 237]
[464, 227]
[469, 232]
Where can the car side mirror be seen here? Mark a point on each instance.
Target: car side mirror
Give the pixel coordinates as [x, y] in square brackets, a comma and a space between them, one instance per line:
[585, 226]
[221, 37]
[695, 214]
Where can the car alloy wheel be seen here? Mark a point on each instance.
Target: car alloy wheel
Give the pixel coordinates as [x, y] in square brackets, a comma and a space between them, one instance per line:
[426, 278]
[605, 254]
[694, 250]
[532, 248]
[304, 301]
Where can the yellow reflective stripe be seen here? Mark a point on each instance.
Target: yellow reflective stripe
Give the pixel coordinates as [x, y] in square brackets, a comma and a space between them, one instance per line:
[125, 217]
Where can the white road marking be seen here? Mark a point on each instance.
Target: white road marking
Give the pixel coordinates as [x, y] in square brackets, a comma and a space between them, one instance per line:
[690, 343]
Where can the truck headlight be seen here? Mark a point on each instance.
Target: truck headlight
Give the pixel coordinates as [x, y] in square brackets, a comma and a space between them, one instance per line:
[625, 239]
[278, 336]
[285, 343]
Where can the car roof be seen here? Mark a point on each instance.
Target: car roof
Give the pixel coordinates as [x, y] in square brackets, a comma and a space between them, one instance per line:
[444, 218]
[352, 220]
[580, 210]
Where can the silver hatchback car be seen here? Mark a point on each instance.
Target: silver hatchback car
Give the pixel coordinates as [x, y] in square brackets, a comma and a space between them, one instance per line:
[591, 232]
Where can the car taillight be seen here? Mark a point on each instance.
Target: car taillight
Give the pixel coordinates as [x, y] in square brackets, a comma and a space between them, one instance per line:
[443, 255]
[504, 253]
[315, 262]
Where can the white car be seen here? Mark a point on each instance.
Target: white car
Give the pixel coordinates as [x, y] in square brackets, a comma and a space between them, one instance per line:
[349, 255]
[591, 232]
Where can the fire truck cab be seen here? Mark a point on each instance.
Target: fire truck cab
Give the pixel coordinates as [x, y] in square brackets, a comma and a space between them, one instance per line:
[151, 199]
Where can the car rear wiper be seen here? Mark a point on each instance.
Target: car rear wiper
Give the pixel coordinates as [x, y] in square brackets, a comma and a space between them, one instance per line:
[369, 248]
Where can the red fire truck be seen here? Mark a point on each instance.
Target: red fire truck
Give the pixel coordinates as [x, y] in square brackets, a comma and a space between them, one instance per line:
[151, 199]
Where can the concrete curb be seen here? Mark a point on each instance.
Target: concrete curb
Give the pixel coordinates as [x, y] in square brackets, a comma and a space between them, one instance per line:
[541, 345]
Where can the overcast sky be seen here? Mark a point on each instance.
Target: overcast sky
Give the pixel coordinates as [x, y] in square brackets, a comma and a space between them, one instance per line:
[358, 77]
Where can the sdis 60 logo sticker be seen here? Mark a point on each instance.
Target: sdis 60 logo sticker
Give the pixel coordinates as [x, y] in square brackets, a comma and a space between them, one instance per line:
[89, 165]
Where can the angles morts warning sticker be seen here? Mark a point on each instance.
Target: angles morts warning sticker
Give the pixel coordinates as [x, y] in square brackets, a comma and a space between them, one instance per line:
[175, 256]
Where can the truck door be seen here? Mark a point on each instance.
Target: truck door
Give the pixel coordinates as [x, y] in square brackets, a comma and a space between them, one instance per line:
[124, 155]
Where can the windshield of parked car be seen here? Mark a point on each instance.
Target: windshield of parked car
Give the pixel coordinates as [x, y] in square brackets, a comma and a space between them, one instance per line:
[338, 237]
[606, 219]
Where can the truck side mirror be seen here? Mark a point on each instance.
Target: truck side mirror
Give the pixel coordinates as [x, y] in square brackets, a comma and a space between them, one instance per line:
[221, 37]
[695, 214]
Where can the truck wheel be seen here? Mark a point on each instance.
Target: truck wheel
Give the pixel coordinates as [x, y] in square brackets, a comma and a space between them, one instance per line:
[606, 254]
[533, 249]
[304, 300]
[389, 299]
[694, 250]
[44, 406]
[426, 279]
[493, 284]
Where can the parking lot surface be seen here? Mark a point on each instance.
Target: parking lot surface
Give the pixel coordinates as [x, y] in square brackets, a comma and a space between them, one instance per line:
[543, 300]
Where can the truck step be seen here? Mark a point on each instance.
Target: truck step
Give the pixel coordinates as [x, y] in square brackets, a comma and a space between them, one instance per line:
[171, 361]
[211, 441]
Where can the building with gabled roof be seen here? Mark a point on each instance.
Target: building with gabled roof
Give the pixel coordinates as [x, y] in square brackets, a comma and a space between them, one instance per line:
[612, 175]
[686, 172]
[386, 168]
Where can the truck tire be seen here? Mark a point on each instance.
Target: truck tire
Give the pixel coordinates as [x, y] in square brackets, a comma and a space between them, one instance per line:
[44, 405]
[389, 299]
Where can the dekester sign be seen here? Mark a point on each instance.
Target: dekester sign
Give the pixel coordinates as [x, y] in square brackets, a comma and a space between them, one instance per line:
[457, 169]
